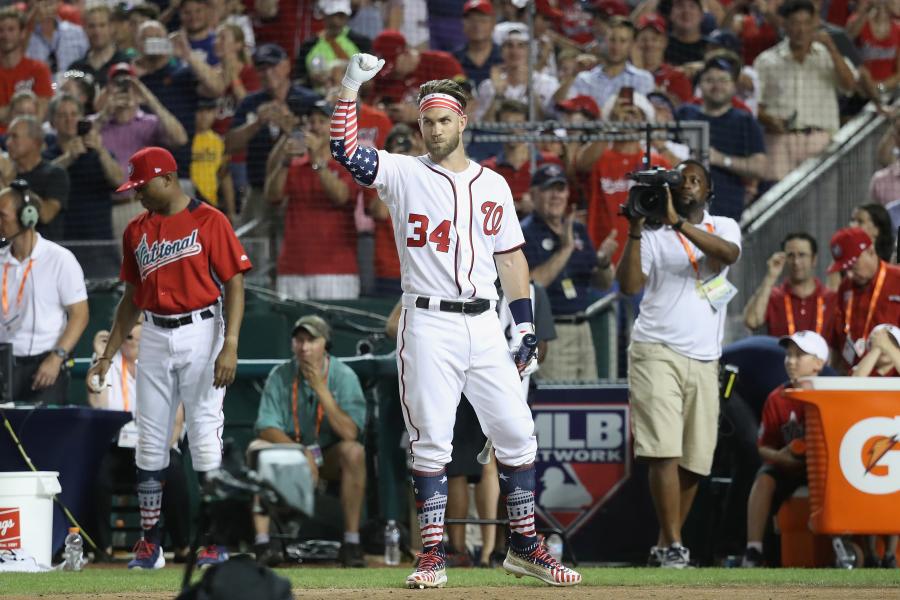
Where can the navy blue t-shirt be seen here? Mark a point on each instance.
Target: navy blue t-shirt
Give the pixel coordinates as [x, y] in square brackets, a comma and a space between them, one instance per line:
[206, 45]
[475, 73]
[175, 86]
[541, 242]
[261, 144]
[89, 214]
[735, 133]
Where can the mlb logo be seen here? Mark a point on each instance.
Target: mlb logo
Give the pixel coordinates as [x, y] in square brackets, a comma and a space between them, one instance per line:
[10, 536]
[583, 457]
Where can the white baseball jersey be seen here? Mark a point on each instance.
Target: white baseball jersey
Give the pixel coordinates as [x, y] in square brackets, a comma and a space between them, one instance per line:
[447, 225]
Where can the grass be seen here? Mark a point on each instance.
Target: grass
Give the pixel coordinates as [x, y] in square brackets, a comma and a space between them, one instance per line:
[116, 580]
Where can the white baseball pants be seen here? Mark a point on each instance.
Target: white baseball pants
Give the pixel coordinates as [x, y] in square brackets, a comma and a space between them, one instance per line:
[441, 355]
[175, 366]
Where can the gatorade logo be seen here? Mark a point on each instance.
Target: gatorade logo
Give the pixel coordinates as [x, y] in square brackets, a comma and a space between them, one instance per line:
[870, 455]
[10, 537]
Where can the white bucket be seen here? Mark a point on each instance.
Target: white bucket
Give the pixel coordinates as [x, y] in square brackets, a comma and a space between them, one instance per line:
[26, 512]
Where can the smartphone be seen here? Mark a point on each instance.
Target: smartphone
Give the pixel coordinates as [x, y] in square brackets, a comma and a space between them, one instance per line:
[84, 126]
[123, 84]
[157, 46]
[626, 94]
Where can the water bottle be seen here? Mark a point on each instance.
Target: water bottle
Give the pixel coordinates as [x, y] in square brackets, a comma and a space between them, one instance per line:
[555, 546]
[73, 556]
[391, 544]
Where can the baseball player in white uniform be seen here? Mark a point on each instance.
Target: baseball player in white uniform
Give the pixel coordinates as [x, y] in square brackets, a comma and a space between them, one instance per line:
[456, 230]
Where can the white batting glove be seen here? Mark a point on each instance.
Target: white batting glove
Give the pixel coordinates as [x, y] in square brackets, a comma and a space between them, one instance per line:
[360, 69]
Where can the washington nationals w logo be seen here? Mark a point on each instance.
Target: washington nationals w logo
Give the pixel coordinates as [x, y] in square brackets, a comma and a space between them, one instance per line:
[493, 216]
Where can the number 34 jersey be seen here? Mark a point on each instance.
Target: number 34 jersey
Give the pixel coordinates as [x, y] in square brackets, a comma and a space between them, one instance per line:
[448, 226]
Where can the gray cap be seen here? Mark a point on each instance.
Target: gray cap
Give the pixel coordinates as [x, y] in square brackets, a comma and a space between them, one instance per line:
[315, 325]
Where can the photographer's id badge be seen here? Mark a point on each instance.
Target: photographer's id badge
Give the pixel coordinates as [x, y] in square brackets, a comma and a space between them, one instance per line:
[717, 290]
[12, 324]
[568, 288]
[853, 350]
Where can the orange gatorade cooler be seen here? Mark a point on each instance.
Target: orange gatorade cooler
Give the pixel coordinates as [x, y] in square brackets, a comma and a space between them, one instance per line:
[853, 454]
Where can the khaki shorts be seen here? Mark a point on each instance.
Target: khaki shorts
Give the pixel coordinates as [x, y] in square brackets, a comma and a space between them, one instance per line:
[674, 406]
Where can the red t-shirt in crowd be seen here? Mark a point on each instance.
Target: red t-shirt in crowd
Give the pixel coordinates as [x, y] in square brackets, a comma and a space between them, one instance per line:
[879, 55]
[813, 313]
[29, 74]
[756, 36]
[433, 64]
[176, 262]
[319, 237]
[294, 23]
[373, 126]
[673, 80]
[519, 180]
[609, 189]
[886, 307]
[782, 420]
[385, 260]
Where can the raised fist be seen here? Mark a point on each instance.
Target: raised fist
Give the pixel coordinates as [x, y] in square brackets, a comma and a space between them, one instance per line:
[360, 69]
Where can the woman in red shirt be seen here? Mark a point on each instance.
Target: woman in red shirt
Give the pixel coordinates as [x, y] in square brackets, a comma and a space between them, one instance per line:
[876, 31]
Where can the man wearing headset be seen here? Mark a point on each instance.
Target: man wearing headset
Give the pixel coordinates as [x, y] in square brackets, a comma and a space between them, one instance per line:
[676, 342]
[43, 300]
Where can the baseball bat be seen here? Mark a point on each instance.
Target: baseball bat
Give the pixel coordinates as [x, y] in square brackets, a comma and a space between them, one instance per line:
[484, 457]
[529, 343]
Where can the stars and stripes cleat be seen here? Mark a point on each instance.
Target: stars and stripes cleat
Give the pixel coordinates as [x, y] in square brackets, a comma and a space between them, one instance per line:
[211, 555]
[430, 571]
[539, 564]
[147, 555]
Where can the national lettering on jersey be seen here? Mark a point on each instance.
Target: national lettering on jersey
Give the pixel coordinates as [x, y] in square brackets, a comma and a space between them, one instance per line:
[583, 457]
[151, 257]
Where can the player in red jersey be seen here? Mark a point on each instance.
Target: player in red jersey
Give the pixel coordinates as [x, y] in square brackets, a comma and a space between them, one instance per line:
[179, 257]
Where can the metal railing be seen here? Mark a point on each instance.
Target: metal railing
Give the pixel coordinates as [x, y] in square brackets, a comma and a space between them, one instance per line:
[818, 197]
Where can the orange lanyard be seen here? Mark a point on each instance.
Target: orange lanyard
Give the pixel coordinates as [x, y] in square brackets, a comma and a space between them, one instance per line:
[690, 251]
[789, 313]
[320, 411]
[879, 283]
[125, 383]
[3, 295]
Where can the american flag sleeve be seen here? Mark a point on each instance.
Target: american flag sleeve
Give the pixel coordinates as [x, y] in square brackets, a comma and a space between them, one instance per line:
[360, 161]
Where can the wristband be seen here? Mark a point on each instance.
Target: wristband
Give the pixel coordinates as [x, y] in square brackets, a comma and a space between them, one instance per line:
[521, 310]
[350, 84]
[634, 237]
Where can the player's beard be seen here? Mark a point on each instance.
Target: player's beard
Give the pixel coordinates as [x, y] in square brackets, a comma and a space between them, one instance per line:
[440, 151]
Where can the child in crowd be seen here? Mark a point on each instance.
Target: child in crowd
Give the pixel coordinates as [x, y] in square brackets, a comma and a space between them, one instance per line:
[806, 353]
[881, 360]
[209, 164]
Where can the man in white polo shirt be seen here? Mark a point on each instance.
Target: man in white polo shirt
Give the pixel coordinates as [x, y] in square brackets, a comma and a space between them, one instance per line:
[676, 343]
[43, 301]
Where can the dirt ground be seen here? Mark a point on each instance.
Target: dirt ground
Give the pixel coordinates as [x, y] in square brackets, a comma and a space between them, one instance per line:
[541, 593]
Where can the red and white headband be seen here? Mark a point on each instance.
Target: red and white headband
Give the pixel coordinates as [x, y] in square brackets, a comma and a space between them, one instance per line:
[441, 101]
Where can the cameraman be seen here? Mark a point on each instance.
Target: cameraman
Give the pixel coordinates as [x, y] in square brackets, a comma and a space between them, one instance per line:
[676, 344]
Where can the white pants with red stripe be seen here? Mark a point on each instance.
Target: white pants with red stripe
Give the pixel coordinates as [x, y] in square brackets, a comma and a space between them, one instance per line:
[175, 366]
[441, 355]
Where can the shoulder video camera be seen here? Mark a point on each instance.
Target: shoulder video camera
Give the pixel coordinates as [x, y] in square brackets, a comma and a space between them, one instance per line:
[647, 197]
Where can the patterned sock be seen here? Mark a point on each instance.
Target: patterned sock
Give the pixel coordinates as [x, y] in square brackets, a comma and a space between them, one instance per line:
[431, 502]
[150, 490]
[517, 490]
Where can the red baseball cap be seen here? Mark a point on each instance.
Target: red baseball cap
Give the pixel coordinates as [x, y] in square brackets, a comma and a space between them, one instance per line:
[482, 6]
[653, 21]
[583, 104]
[545, 9]
[146, 164]
[610, 8]
[388, 45]
[121, 68]
[847, 245]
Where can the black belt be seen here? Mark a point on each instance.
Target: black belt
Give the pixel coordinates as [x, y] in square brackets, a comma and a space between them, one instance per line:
[807, 130]
[176, 322]
[570, 319]
[475, 307]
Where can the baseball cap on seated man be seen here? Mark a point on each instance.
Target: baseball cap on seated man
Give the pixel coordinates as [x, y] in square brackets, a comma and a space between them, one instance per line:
[548, 174]
[314, 325]
[809, 342]
[333, 7]
[847, 245]
[147, 163]
[268, 55]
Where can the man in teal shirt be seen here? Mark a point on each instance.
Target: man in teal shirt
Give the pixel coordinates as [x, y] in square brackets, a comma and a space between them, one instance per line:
[317, 401]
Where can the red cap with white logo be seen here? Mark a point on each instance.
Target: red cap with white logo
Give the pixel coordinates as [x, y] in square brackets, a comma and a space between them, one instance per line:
[146, 164]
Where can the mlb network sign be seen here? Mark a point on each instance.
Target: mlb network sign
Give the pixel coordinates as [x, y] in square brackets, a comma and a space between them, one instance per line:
[584, 455]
